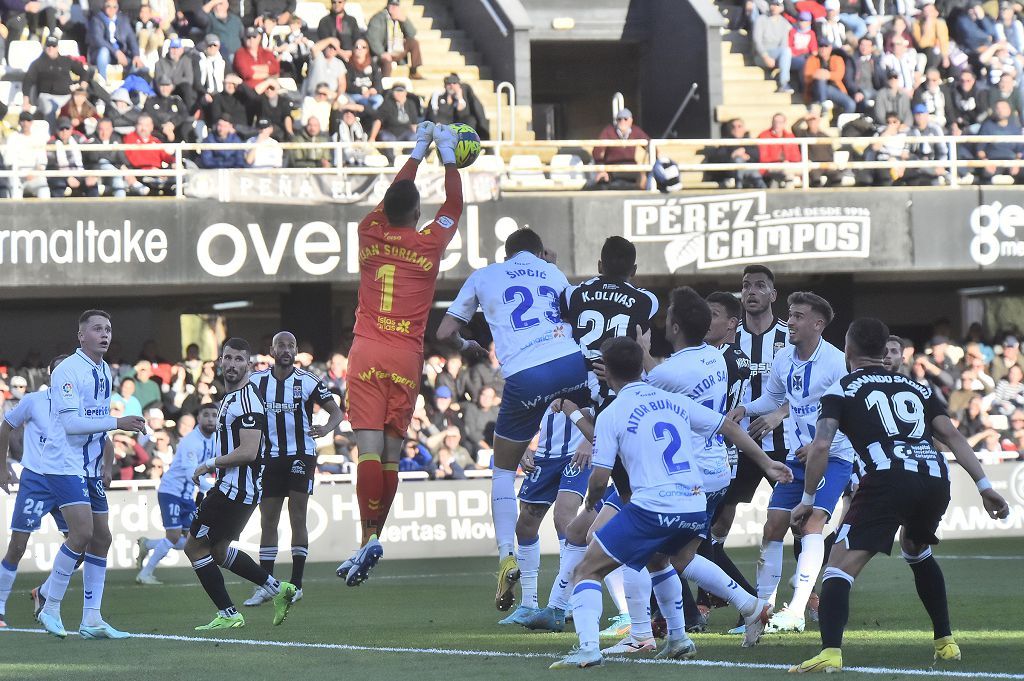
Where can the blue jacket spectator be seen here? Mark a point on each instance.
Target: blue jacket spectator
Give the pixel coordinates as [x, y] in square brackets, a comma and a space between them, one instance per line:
[974, 30]
[224, 133]
[111, 40]
[1000, 123]
[415, 457]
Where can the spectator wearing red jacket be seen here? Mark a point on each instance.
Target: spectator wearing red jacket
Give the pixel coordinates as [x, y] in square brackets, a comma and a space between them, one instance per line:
[802, 44]
[146, 159]
[623, 129]
[253, 62]
[778, 153]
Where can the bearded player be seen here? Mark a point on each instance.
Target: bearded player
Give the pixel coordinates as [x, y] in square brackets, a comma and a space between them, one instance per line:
[398, 270]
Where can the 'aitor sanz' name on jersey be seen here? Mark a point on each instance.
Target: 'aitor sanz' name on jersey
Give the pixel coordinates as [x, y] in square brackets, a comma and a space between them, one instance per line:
[700, 373]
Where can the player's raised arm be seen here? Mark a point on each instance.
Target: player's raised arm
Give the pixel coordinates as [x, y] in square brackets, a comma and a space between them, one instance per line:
[946, 432]
[451, 210]
[458, 315]
[774, 470]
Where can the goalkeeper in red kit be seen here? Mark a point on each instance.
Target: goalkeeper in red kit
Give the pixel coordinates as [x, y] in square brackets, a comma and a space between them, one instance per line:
[398, 267]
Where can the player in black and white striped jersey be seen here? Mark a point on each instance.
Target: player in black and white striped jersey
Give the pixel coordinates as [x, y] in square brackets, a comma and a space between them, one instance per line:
[760, 335]
[289, 394]
[891, 422]
[242, 434]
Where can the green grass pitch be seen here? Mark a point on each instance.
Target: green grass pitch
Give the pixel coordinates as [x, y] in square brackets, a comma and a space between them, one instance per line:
[423, 609]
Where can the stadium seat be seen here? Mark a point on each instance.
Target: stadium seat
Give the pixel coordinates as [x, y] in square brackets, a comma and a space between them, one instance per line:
[5, 91]
[311, 12]
[68, 48]
[490, 163]
[288, 84]
[355, 10]
[845, 118]
[525, 173]
[21, 53]
[376, 161]
[566, 171]
[41, 130]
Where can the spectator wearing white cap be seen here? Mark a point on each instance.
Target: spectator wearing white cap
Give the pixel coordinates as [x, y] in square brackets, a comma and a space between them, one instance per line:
[1010, 356]
[830, 29]
[623, 128]
[771, 44]
[850, 16]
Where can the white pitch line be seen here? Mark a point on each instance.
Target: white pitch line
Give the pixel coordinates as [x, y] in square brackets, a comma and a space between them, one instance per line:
[941, 558]
[312, 580]
[537, 656]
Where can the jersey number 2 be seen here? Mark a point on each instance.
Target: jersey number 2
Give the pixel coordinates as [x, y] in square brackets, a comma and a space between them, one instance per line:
[662, 431]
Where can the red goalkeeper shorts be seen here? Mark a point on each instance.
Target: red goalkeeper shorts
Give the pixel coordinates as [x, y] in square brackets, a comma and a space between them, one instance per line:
[383, 382]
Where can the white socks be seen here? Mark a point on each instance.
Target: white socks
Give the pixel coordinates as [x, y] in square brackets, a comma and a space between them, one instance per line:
[769, 570]
[7, 574]
[60, 576]
[638, 598]
[94, 575]
[669, 592]
[616, 589]
[586, 611]
[528, 557]
[503, 509]
[562, 587]
[713, 579]
[808, 565]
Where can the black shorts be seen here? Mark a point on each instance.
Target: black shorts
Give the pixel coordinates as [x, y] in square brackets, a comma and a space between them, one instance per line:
[219, 518]
[887, 500]
[286, 475]
[748, 477]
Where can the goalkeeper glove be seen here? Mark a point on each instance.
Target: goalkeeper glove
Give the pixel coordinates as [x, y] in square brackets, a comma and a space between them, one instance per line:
[424, 136]
[445, 140]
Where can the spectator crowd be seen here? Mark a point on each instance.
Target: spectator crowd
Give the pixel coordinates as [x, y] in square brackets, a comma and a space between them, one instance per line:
[892, 73]
[451, 429]
[155, 72]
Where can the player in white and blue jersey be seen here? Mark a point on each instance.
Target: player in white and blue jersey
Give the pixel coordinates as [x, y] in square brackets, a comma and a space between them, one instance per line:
[177, 492]
[651, 431]
[75, 473]
[539, 360]
[33, 415]
[556, 479]
[700, 372]
[800, 375]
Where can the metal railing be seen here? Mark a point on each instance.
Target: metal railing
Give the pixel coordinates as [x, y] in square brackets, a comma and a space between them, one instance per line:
[802, 168]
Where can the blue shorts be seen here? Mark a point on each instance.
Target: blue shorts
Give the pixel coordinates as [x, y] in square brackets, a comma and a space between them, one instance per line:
[611, 498]
[837, 475]
[529, 392]
[634, 535]
[552, 476]
[42, 494]
[176, 512]
[97, 495]
[714, 501]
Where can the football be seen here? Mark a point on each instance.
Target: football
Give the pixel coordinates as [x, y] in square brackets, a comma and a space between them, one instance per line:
[467, 145]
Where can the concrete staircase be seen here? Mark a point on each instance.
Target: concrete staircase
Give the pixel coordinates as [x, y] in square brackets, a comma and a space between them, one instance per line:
[747, 91]
[449, 50]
